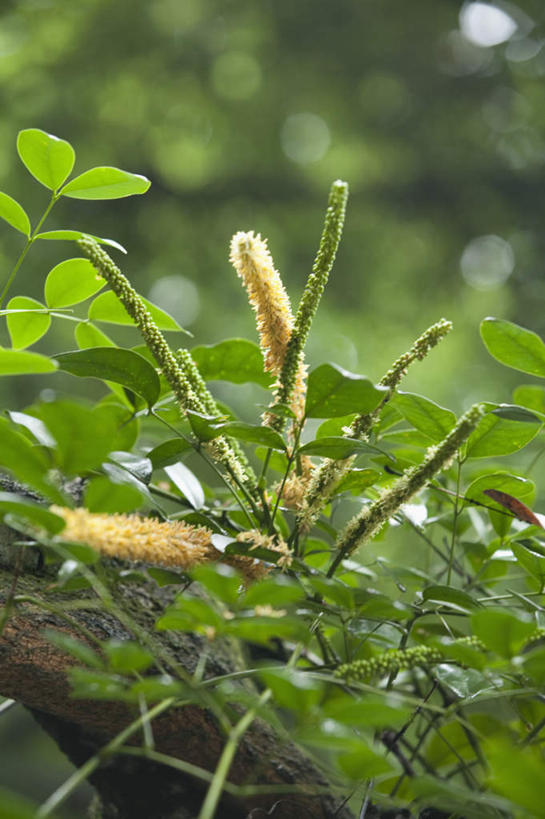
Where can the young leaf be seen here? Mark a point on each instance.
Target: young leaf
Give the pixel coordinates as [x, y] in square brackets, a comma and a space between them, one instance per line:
[16, 362]
[333, 391]
[87, 335]
[70, 282]
[187, 483]
[48, 158]
[29, 323]
[13, 213]
[514, 346]
[74, 235]
[114, 364]
[235, 360]
[424, 415]
[105, 183]
[107, 307]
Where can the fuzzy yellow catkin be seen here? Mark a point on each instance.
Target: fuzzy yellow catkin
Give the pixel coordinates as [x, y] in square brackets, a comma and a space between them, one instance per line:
[175, 545]
[253, 263]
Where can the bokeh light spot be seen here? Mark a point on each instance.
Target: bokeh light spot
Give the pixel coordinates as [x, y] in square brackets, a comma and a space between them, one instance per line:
[487, 262]
[236, 75]
[486, 25]
[305, 138]
[178, 296]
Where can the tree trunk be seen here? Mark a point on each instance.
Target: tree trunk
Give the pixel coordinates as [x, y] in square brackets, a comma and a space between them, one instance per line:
[33, 671]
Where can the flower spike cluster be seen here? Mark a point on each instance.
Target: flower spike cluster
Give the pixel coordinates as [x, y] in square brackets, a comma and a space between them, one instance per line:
[176, 375]
[330, 473]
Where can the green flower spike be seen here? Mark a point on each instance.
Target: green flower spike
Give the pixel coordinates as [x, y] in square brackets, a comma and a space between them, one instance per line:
[372, 518]
[178, 380]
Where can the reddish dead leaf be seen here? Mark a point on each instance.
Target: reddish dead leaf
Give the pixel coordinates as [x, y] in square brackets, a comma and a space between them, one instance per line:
[516, 507]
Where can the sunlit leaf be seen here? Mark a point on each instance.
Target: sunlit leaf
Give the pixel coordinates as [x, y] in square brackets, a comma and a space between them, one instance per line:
[84, 436]
[14, 214]
[187, 483]
[425, 415]
[494, 435]
[17, 362]
[107, 307]
[48, 158]
[333, 391]
[75, 235]
[71, 282]
[29, 323]
[514, 346]
[236, 360]
[105, 183]
[87, 335]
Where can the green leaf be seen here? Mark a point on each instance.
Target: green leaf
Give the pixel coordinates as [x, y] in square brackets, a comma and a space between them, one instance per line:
[373, 712]
[105, 183]
[12, 503]
[126, 656]
[13, 806]
[169, 452]
[532, 563]
[103, 495]
[520, 488]
[518, 774]
[12, 212]
[84, 436]
[48, 158]
[336, 448]
[254, 434]
[70, 282]
[531, 396]
[107, 307]
[26, 462]
[357, 480]
[502, 631]
[75, 648]
[512, 412]
[28, 325]
[275, 590]
[222, 581]
[361, 758]
[17, 362]
[335, 427]
[494, 435]
[187, 483]
[114, 364]
[424, 415]
[235, 360]
[95, 685]
[514, 346]
[451, 598]
[203, 426]
[333, 391]
[292, 689]
[87, 335]
[75, 235]
[36, 427]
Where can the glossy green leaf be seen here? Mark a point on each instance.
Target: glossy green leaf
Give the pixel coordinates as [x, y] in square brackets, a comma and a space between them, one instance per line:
[114, 364]
[84, 436]
[87, 335]
[203, 426]
[25, 461]
[124, 477]
[514, 346]
[138, 465]
[17, 362]
[236, 360]
[11, 503]
[126, 656]
[502, 631]
[29, 323]
[512, 412]
[494, 435]
[14, 214]
[70, 282]
[520, 488]
[252, 433]
[107, 307]
[336, 448]
[75, 235]
[48, 158]
[424, 415]
[187, 483]
[333, 391]
[531, 563]
[103, 495]
[105, 183]
[168, 452]
[36, 427]
[450, 598]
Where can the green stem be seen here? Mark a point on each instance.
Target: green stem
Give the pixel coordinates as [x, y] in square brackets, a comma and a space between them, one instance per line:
[26, 248]
[61, 794]
[454, 522]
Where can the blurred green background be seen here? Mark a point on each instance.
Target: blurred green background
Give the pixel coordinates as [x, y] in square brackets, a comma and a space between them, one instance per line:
[243, 112]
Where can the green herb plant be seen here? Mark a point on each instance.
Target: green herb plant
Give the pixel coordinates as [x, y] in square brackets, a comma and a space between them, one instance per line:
[371, 532]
